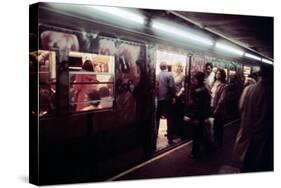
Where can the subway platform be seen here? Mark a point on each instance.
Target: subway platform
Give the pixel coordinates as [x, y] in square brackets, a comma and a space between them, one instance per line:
[177, 163]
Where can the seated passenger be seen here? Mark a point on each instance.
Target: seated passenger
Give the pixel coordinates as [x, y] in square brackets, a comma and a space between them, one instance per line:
[80, 89]
[106, 99]
[94, 98]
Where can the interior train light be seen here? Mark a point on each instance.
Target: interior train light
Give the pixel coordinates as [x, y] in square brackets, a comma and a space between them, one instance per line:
[267, 61]
[122, 13]
[227, 48]
[181, 33]
[252, 56]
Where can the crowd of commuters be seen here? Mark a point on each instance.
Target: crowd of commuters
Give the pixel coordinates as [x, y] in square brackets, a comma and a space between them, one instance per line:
[212, 95]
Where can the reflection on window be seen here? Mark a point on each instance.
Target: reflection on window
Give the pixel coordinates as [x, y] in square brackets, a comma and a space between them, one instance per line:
[91, 80]
[46, 63]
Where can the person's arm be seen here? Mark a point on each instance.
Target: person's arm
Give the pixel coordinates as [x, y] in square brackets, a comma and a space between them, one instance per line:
[242, 98]
[172, 88]
[172, 85]
[222, 92]
[181, 88]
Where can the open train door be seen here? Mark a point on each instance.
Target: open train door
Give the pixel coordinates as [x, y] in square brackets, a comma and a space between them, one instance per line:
[176, 65]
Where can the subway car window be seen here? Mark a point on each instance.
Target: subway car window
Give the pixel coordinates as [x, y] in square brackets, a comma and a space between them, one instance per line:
[91, 82]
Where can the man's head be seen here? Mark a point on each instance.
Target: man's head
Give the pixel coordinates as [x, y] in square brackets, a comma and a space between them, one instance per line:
[208, 68]
[179, 67]
[94, 97]
[199, 78]
[87, 65]
[163, 65]
[266, 72]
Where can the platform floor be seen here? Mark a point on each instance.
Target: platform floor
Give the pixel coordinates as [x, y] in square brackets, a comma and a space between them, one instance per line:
[177, 163]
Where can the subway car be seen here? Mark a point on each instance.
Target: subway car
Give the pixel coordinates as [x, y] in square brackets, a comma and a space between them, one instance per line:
[93, 86]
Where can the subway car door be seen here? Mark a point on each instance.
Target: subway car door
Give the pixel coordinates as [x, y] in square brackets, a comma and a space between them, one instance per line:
[169, 125]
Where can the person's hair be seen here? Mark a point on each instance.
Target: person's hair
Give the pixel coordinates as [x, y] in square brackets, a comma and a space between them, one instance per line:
[94, 95]
[163, 65]
[209, 64]
[180, 66]
[255, 75]
[104, 91]
[266, 72]
[223, 75]
[233, 79]
[200, 76]
[250, 75]
[87, 65]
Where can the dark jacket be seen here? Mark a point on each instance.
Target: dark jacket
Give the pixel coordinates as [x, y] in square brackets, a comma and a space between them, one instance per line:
[199, 105]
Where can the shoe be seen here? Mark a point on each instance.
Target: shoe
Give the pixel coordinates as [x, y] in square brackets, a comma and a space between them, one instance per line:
[171, 142]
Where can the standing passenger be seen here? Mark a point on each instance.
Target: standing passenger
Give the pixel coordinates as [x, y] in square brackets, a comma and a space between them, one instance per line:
[209, 75]
[165, 98]
[199, 109]
[254, 142]
[218, 105]
[178, 111]
[233, 92]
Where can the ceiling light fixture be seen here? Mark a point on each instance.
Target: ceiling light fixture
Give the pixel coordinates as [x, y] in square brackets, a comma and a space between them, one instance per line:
[227, 48]
[122, 13]
[181, 33]
[253, 56]
[267, 61]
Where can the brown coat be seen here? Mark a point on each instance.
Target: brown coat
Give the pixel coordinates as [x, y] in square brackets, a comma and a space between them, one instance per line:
[255, 135]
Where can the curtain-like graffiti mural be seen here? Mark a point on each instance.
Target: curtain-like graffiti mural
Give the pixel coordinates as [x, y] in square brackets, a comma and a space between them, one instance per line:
[127, 77]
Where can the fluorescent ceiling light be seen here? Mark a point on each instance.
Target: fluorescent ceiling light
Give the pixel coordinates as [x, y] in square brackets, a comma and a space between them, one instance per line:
[181, 33]
[121, 12]
[267, 61]
[230, 49]
[252, 56]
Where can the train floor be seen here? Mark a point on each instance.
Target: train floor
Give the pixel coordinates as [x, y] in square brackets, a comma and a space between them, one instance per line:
[162, 140]
[178, 163]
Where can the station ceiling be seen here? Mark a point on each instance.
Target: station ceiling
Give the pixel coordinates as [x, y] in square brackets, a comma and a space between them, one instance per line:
[254, 32]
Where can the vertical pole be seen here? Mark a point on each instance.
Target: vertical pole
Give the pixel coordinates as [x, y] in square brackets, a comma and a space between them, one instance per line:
[188, 79]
